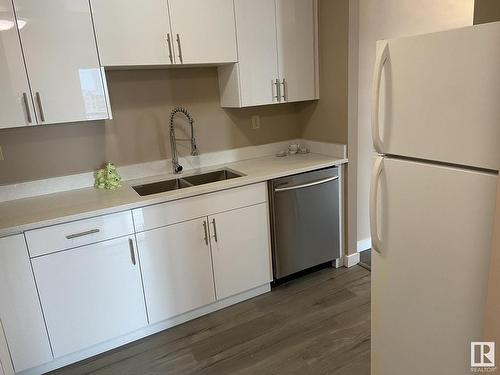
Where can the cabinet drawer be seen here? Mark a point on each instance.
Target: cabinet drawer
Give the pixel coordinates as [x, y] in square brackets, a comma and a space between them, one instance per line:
[203, 205]
[79, 233]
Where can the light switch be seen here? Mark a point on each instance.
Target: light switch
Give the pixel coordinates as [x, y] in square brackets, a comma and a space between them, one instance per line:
[256, 122]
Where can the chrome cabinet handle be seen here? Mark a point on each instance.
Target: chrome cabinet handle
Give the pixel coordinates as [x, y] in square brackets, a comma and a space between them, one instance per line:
[27, 107]
[215, 231]
[132, 251]
[314, 183]
[206, 231]
[82, 234]
[284, 96]
[180, 48]
[278, 90]
[170, 55]
[40, 107]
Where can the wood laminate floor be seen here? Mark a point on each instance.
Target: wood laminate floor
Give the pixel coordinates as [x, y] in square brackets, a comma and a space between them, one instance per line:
[319, 324]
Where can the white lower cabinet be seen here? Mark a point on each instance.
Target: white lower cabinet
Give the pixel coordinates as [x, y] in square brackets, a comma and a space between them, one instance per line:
[21, 319]
[90, 294]
[177, 268]
[241, 249]
[99, 282]
[6, 367]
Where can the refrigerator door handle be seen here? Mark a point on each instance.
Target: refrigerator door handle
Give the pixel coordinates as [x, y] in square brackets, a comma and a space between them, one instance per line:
[380, 61]
[377, 170]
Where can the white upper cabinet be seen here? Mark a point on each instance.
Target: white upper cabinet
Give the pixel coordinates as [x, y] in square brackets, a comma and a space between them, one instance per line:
[20, 313]
[16, 106]
[61, 58]
[296, 35]
[278, 54]
[204, 31]
[133, 33]
[161, 32]
[278, 60]
[257, 70]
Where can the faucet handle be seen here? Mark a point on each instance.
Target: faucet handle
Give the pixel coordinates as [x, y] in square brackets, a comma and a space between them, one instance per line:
[194, 147]
[178, 168]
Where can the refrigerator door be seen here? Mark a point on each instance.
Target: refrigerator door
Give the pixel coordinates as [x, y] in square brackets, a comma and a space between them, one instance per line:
[433, 227]
[436, 96]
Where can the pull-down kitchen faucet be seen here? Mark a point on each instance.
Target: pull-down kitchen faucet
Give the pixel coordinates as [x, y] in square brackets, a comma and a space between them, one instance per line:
[173, 141]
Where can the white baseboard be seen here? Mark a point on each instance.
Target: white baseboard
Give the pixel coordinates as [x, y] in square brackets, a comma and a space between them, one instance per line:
[351, 260]
[365, 244]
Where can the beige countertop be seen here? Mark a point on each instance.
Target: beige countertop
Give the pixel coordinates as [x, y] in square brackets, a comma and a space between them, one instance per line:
[20, 215]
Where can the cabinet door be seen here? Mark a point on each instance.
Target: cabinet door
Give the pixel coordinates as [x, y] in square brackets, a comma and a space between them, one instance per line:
[297, 52]
[133, 33]
[16, 106]
[6, 367]
[20, 313]
[257, 51]
[177, 269]
[90, 294]
[61, 58]
[204, 31]
[240, 249]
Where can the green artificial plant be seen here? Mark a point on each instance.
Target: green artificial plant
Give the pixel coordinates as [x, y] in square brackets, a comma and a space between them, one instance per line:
[108, 178]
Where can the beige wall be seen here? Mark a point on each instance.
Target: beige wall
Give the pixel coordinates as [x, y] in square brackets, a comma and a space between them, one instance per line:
[326, 119]
[141, 103]
[352, 139]
[486, 11]
[383, 19]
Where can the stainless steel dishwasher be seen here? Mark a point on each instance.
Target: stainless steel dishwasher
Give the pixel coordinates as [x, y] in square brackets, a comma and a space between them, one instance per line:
[305, 220]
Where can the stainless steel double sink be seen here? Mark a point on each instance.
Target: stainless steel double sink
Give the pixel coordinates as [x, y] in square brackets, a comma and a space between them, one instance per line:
[184, 182]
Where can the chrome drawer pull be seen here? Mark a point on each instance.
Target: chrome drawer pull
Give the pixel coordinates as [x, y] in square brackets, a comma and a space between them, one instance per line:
[27, 106]
[285, 86]
[82, 234]
[307, 185]
[170, 55]
[215, 231]
[132, 251]
[40, 107]
[278, 90]
[180, 48]
[206, 231]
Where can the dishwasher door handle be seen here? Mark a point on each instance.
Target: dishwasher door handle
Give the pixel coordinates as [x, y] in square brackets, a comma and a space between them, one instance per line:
[314, 183]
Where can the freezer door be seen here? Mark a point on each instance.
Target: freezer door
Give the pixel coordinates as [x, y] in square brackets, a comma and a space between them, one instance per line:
[436, 96]
[429, 276]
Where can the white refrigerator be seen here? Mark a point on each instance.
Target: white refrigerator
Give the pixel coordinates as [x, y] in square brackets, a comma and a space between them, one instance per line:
[436, 131]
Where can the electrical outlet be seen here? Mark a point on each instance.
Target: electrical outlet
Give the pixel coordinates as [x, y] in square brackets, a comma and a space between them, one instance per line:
[256, 122]
[1, 153]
